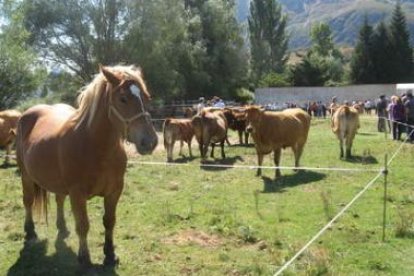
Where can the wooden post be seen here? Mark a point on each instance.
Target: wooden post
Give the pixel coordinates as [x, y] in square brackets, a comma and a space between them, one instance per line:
[384, 218]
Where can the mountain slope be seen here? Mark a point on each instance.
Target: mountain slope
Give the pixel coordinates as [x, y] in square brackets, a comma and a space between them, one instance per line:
[343, 16]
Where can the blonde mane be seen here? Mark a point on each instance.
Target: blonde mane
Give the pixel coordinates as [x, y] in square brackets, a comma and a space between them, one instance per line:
[92, 94]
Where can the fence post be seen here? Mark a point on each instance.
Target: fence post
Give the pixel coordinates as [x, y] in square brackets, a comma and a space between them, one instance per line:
[384, 217]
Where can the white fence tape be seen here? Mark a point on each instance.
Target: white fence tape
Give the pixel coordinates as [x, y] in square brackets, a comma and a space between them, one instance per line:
[288, 263]
[251, 166]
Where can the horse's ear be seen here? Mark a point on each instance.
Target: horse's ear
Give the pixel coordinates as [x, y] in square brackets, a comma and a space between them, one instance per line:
[109, 75]
[13, 132]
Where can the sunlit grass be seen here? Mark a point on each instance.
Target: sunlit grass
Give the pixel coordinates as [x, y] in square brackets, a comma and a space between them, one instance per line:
[191, 220]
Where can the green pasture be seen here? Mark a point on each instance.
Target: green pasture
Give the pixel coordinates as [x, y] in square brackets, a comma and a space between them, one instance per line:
[188, 220]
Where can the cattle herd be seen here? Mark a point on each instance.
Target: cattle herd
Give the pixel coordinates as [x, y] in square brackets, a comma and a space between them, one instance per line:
[272, 131]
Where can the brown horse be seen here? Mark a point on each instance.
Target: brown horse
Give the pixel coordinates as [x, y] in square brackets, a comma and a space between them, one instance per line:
[8, 125]
[80, 152]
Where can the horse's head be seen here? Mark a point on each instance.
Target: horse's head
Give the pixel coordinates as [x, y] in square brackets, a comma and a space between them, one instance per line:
[128, 100]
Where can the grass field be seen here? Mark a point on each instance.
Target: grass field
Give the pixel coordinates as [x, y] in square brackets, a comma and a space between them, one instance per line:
[188, 220]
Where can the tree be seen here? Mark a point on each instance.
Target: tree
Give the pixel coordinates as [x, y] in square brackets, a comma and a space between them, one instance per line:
[311, 71]
[77, 34]
[362, 64]
[400, 42]
[382, 55]
[20, 74]
[268, 39]
[226, 62]
[322, 64]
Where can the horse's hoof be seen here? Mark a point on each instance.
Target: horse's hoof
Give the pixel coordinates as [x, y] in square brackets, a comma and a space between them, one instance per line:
[85, 261]
[111, 261]
[30, 238]
[63, 234]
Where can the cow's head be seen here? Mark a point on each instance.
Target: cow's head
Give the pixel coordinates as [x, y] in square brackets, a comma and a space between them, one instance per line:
[253, 115]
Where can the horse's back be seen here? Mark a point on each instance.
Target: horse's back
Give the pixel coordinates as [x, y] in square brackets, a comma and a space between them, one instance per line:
[41, 122]
[37, 141]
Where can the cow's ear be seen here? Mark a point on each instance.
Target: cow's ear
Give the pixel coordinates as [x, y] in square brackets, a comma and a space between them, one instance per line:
[109, 75]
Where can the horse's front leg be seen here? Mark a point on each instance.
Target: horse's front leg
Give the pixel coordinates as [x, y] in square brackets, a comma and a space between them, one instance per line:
[78, 203]
[110, 203]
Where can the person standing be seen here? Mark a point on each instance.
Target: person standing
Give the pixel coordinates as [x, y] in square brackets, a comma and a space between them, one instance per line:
[381, 110]
[200, 104]
[409, 115]
[397, 117]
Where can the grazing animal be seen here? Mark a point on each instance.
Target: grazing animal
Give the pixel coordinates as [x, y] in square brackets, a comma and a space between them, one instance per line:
[332, 108]
[359, 107]
[210, 127]
[177, 129]
[236, 120]
[273, 131]
[345, 123]
[80, 153]
[8, 125]
[189, 112]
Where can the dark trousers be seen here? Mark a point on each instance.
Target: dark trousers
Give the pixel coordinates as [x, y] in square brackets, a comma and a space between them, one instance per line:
[397, 129]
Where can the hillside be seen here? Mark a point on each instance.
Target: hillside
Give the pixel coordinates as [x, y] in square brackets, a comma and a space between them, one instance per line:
[344, 16]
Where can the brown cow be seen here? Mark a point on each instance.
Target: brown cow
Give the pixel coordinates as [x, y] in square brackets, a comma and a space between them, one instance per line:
[177, 130]
[359, 107]
[8, 125]
[345, 123]
[236, 120]
[210, 127]
[273, 131]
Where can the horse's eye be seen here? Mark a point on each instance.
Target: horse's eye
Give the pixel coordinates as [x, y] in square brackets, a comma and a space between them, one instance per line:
[123, 99]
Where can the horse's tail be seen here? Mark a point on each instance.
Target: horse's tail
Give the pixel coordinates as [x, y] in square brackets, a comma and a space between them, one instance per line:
[40, 203]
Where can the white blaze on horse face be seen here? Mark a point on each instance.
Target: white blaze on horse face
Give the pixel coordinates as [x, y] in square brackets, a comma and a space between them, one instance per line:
[135, 91]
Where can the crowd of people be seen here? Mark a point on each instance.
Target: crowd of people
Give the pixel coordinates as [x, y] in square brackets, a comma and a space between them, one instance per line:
[214, 102]
[397, 114]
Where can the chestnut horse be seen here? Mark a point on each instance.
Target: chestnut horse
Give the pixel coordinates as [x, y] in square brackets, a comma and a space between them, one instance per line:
[8, 124]
[80, 152]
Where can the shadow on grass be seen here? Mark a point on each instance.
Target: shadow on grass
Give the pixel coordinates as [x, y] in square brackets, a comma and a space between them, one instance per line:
[184, 159]
[367, 159]
[279, 185]
[8, 165]
[251, 145]
[208, 165]
[34, 260]
[367, 134]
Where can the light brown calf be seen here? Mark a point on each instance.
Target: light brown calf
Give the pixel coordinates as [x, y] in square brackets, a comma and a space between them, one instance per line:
[177, 130]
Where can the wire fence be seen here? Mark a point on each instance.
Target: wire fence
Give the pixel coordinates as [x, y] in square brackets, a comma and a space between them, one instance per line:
[379, 172]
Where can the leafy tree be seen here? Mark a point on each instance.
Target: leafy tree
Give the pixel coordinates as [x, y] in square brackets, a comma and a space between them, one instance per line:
[400, 41]
[20, 74]
[322, 41]
[226, 62]
[268, 39]
[311, 71]
[362, 64]
[78, 34]
[323, 62]
[274, 80]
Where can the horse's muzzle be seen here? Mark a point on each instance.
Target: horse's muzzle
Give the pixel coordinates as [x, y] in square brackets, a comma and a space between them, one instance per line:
[147, 145]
